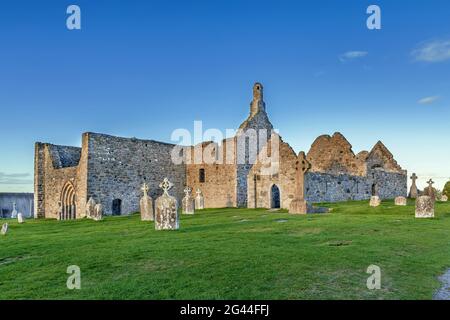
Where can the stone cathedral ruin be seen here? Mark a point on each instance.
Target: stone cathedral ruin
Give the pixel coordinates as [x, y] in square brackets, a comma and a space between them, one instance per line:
[111, 170]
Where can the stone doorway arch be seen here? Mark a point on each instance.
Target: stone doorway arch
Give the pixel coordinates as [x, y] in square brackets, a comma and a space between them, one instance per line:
[68, 207]
[117, 207]
[275, 199]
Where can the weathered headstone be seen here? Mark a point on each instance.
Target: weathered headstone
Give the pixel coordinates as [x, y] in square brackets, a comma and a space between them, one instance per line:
[166, 209]
[413, 192]
[20, 218]
[429, 191]
[299, 205]
[400, 201]
[199, 200]
[4, 228]
[14, 211]
[98, 212]
[444, 198]
[374, 201]
[90, 208]
[424, 207]
[146, 205]
[188, 202]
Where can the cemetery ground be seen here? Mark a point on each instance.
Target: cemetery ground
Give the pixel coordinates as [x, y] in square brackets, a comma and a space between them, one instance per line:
[232, 254]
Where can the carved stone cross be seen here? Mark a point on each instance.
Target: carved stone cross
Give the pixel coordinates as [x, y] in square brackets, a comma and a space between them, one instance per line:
[145, 189]
[166, 185]
[414, 178]
[199, 192]
[302, 166]
[187, 192]
[430, 184]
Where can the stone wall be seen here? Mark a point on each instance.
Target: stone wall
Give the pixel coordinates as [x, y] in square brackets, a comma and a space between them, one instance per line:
[117, 168]
[323, 187]
[23, 201]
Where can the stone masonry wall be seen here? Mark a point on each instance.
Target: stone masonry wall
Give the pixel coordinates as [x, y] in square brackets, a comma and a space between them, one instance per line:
[117, 168]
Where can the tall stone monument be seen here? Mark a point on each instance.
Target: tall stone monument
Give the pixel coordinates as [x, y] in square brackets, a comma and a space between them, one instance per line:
[413, 192]
[14, 211]
[429, 191]
[188, 202]
[90, 208]
[424, 207]
[146, 205]
[166, 209]
[199, 200]
[298, 204]
[98, 212]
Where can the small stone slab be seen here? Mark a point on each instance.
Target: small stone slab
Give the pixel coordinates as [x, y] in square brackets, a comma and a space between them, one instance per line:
[4, 230]
[20, 218]
[424, 207]
[400, 201]
[375, 201]
[444, 198]
[98, 212]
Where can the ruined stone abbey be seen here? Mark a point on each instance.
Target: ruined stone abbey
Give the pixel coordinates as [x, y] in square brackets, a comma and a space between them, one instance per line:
[112, 169]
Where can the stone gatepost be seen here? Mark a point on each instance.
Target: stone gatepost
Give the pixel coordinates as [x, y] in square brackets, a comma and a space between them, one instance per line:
[166, 209]
[199, 200]
[298, 204]
[188, 202]
[146, 205]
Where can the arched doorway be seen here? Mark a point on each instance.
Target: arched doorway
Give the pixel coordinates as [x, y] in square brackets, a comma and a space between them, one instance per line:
[68, 207]
[275, 197]
[117, 207]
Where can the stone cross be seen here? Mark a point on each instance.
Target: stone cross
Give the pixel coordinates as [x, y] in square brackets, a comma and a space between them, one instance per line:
[166, 185]
[145, 189]
[431, 189]
[413, 192]
[14, 212]
[146, 205]
[298, 205]
[187, 191]
[198, 192]
[302, 166]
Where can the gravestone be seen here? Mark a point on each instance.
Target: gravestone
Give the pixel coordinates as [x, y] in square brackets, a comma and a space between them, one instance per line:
[166, 209]
[4, 228]
[413, 192]
[444, 198]
[98, 212]
[400, 201]
[20, 218]
[14, 211]
[374, 201]
[146, 205]
[424, 207]
[299, 205]
[429, 191]
[199, 200]
[90, 208]
[188, 202]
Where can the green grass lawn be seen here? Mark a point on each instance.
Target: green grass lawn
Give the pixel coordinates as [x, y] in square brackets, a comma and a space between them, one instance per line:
[231, 254]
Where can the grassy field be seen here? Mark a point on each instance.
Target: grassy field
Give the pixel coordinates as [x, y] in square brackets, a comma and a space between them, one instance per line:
[231, 254]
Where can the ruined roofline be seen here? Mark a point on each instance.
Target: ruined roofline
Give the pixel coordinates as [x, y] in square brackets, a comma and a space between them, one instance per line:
[127, 138]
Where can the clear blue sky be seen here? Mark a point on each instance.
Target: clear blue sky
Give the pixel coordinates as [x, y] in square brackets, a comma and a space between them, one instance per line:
[145, 68]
